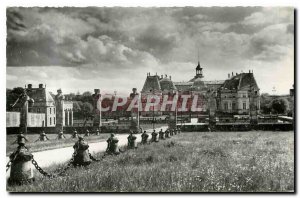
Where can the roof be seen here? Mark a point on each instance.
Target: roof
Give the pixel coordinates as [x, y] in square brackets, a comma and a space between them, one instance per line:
[41, 95]
[214, 82]
[198, 85]
[183, 83]
[151, 84]
[167, 84]
[240, 81]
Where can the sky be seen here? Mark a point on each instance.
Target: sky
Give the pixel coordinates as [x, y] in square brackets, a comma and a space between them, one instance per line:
[80, 49]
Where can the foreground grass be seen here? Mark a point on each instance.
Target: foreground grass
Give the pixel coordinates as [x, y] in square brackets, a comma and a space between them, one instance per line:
[53, 143]
[189, 162]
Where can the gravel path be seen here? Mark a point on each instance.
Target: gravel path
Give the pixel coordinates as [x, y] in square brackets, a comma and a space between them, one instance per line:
[62, 155]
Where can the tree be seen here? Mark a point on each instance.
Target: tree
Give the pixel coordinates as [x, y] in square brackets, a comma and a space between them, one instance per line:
[12, 96]
[77, 106]
[87, 97]
[291, 106]
[265, 103]
[87, 108]
[279, 106]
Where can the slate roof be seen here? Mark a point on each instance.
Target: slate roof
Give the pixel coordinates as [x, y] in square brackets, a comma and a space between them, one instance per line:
[41, 95]
[240, 81]
[167, 84]
[151, 84]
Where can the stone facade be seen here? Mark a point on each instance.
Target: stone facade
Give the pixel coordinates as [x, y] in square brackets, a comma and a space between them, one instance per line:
[43, 104]
[239, 94]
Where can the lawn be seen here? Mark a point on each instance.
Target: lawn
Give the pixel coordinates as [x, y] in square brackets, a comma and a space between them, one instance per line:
[53, 143]
[188, 162]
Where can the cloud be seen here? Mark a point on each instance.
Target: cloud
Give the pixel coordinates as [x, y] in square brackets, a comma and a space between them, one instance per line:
[103, 43]
[271, 43]
[270, 16]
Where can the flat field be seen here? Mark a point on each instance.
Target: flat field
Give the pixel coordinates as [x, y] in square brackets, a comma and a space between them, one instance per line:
[257, 161]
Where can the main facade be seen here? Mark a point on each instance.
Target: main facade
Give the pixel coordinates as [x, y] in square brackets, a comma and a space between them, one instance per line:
[236, 95]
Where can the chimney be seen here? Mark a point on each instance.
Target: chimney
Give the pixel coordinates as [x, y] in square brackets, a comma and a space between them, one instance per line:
[228, 75]
[232, 74]
[134, 90]
[236, 73]
[162, 76]
[170, 77]
[97, 91]
[29, 86]
[249, 71]
[166, 75]
[41, 86]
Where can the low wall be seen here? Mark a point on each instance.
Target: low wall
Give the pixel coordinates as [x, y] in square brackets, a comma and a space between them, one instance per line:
[239, 127]
[80, 130]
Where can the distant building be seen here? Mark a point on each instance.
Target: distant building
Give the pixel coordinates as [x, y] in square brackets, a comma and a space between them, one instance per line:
[235, 95]
[292, 91]
[43, 112]
[239, 95]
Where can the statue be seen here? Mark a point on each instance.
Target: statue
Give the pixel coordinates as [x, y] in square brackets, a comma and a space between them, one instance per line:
[25, 101]
[97, 117]
[59, 110]
[134, 125]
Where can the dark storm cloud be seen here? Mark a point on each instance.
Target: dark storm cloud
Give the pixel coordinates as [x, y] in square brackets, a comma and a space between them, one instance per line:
[130, 37]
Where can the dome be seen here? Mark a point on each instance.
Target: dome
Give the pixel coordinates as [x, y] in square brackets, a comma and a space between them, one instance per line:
[198, 85]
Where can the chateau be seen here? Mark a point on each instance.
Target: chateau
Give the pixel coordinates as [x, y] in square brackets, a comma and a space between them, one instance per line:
[237, 95]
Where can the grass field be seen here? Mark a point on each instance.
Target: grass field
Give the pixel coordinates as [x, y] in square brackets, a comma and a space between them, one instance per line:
[53, 143]
[188, 162]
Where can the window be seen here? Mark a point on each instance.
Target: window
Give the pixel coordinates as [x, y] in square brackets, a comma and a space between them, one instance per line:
[233, 106]
[54, 110]
[54, 120]
[244, 105]
[50, 120]
[226, 106]
[50, 110]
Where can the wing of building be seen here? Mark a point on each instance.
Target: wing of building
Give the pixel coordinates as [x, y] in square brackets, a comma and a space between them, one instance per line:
[43, 112]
